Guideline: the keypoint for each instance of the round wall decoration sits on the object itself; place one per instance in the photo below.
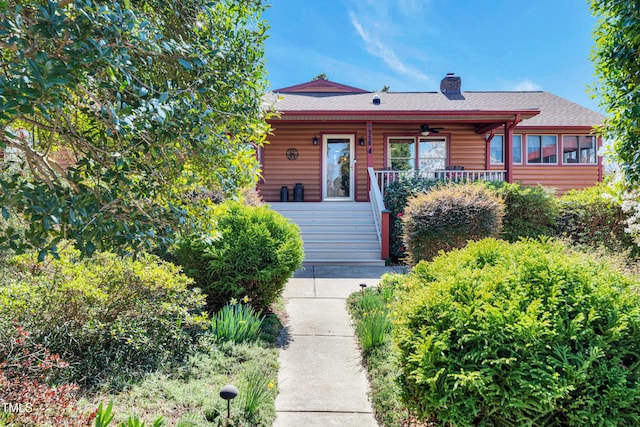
(292, 153)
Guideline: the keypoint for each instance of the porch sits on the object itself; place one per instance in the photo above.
(357, 233)
(454, 174)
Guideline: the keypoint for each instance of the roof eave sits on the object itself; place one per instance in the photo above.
(382, 115)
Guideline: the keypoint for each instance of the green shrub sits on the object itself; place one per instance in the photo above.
(523, 334)
(448, 217)
(256, 252)
(590, 217)
(236, 322)
(395, 199)
(110, 318)
(529, 211)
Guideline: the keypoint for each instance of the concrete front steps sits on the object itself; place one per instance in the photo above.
(338, 233)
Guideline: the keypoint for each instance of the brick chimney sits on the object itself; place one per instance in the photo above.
(450, 84)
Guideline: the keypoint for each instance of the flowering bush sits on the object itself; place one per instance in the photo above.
(27, 399)
(631, 207)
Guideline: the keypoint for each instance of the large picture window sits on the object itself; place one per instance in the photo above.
(579, 149)
(424, 154)
(542, 149)
(496, 149)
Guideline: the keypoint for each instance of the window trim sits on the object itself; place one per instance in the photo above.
(388, 149)
(503, 150)
(416, 141)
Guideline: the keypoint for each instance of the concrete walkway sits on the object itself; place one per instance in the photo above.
(321, 379)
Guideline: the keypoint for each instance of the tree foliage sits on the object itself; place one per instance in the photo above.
(615, 54)
(119, 112)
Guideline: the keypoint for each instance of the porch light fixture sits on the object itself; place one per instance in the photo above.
(361, 142)
(315, 140)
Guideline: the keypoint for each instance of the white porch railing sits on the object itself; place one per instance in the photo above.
(385, 177)
(380, 213)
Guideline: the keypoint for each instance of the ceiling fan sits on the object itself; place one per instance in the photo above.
(425, 130)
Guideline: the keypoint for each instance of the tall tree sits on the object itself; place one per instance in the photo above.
(147, 102)
(616, 55)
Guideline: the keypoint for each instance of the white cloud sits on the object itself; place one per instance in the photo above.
(525, 86)
(412, 8)
(384, 51)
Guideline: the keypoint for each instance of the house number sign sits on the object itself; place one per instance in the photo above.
(292, 153)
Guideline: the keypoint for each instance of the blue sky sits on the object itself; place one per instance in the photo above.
(410, 45)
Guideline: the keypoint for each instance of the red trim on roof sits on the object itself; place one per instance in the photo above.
(529, 113)
(321, 86)
(471, 116)
(555, 128)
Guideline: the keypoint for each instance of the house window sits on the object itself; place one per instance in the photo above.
(579, 149)
(432, 154)
(542, 149)
(425, 154)
(402, 154)
(496, 149)
(516, 152)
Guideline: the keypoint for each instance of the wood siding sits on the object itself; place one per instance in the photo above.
(278, 171)
(465, 148)
(558, 177)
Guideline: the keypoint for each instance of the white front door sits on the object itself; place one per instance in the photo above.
(337, 173)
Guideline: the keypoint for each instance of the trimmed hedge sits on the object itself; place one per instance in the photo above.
(256, 252)
(395, 199)
(590, 217)
(448, 217)
(523, 334)
(530, 211)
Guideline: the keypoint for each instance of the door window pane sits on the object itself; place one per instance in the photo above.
(338, 168)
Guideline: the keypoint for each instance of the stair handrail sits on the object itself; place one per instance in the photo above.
(380, 213)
